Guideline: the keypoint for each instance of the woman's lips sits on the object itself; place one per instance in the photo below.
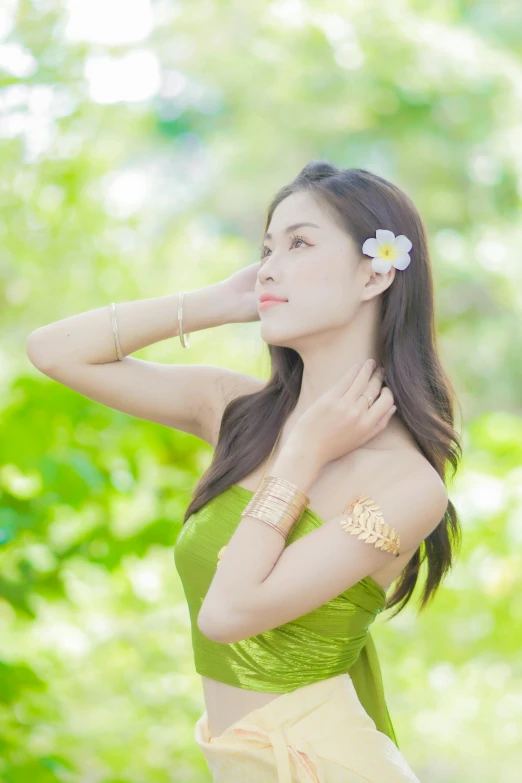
(270, 303)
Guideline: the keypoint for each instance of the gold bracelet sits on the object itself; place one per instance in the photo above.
(277, 503)
(115, 331)
(184, 338)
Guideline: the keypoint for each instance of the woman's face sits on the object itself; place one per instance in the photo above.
(318, 269)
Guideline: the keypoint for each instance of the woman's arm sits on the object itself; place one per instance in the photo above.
(87, 338)
(261, 583)
(79, 352)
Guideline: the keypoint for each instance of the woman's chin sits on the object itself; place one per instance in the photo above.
(278, 343)
(277, 336)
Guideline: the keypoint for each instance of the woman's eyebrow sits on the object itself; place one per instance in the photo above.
(292, 228)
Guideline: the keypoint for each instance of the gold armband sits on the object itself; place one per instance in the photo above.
(367, 523)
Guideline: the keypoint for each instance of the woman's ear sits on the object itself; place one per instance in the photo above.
(376, 282)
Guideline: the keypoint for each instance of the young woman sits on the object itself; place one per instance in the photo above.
(327, 482)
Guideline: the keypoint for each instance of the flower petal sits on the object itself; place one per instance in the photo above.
(381, 265)
(383, 235)
(402, 261)
(371, 247)
(402, 243)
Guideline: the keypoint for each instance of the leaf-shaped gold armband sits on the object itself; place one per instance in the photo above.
(367, 523)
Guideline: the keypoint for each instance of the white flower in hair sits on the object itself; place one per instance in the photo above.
(388, 250)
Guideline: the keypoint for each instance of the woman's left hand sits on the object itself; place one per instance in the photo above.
(340, 420)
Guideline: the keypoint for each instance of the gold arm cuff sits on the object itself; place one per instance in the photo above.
(365, 520)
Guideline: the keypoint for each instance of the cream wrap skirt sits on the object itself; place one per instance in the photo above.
(319, 733)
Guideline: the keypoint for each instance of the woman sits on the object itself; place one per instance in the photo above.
(326, 485)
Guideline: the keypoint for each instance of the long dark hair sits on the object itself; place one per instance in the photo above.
(361, 202)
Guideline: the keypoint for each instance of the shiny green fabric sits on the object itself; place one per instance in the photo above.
(330, 640)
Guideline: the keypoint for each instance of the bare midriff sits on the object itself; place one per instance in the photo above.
(225, 704)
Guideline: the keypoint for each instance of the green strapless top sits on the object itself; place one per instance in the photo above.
(330, 640)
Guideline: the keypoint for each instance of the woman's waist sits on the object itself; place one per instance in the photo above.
(227, 704)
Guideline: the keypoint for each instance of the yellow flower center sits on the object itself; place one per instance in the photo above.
(388, 251)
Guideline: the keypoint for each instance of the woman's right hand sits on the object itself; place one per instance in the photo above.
(240, 290)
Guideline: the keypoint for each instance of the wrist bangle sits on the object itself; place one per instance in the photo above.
(115, 331)
(277, 503)
(184, 339)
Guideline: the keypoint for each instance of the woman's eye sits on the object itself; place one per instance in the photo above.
(292, 241)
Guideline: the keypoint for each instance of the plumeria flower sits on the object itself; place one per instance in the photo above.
(387, 251)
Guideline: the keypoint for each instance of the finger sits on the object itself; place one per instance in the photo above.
(381, 407)
(359, 380)
(344, 383)
(386, 418)
(375, 384)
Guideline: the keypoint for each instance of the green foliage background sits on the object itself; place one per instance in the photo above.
(125, 197)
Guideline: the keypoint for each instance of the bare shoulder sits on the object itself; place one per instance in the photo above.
(407, 467)
(405, 481)
(230, 385)
(395, 471)
(413, 477)
(409, 492)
